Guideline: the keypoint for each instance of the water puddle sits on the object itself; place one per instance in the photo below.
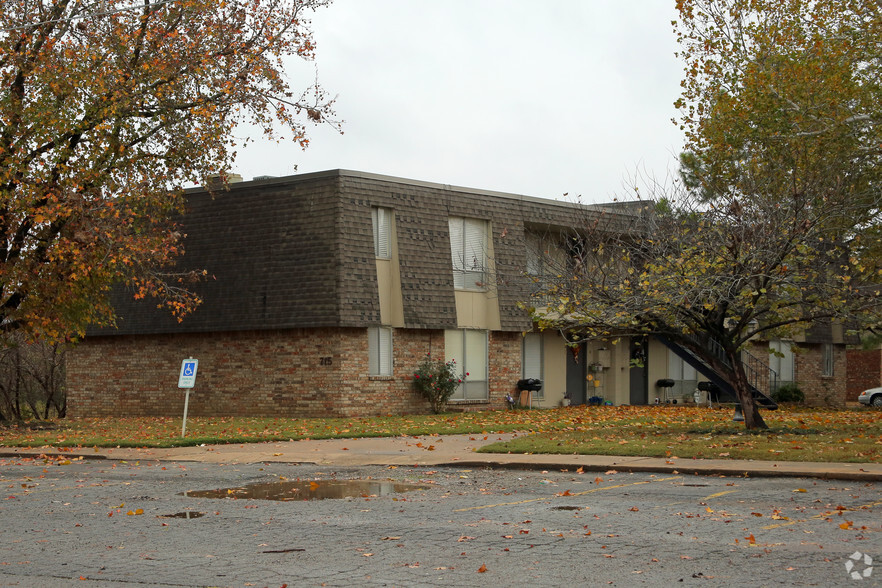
(187, 514)
(310, 490)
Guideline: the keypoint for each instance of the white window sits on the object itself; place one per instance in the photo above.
(532, 360)
(469, 349)
(684, 375)
(380, 351)
(827, 359)
(468, 250)
(382, 222)
(535, 263)
(782, 361)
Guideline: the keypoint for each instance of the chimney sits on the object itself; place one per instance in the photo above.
(216, 181)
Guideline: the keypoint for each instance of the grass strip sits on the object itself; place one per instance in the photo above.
(795, 433)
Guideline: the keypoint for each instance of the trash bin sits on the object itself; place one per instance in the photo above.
(526, 387)
(713, 391)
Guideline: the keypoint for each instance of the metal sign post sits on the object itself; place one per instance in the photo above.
(187, 380)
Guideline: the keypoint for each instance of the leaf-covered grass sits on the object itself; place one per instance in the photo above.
(660, 431)
(794, 434)
(166, 431)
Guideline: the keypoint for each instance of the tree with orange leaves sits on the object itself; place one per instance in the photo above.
(107, 109)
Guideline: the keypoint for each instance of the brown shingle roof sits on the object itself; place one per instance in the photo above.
(298, 252)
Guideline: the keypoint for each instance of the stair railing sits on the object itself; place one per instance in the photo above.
(759, 374)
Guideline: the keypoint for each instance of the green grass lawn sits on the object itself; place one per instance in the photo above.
(799, 434)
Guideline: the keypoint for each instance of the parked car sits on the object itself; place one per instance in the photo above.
(871, 397)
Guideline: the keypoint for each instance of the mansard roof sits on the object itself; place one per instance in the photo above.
(297, 252)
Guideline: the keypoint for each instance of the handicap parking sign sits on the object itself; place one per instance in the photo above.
(187, 378)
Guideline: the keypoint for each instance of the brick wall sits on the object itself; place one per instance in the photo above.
(505, 365)
(821, 390)
(864, 371)
(286, 373)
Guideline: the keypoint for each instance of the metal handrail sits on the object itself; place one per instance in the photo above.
(759, 374)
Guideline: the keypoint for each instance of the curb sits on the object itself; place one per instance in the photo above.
(831, 471)
(665, 469)
(52, 454)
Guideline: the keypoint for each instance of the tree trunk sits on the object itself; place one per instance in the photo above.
(752, 418)
(16, 387)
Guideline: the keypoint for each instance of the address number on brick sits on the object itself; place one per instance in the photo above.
(325, 361)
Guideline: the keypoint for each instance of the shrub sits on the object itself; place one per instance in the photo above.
(437, 380)
(788, 393)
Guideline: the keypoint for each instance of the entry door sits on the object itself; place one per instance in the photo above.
(576, 373)
(639, 375)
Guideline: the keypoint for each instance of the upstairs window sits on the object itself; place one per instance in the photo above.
(468, 250)
(382, 222)
(545, 259)
(535, 259)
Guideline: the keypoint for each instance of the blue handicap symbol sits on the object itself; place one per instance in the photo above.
(188, 369)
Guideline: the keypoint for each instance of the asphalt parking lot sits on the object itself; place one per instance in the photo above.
(123, 523)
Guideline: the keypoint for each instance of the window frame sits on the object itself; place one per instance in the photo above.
(381, 223)
(539, 371)
(828, 360)
(787, 363)
(678, 370)
(380, 364)
(469, 237)
(470, 389)
(534, 265)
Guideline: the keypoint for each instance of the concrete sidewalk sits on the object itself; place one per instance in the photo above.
(459, 451)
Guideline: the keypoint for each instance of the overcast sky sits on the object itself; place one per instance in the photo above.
(528, 97)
